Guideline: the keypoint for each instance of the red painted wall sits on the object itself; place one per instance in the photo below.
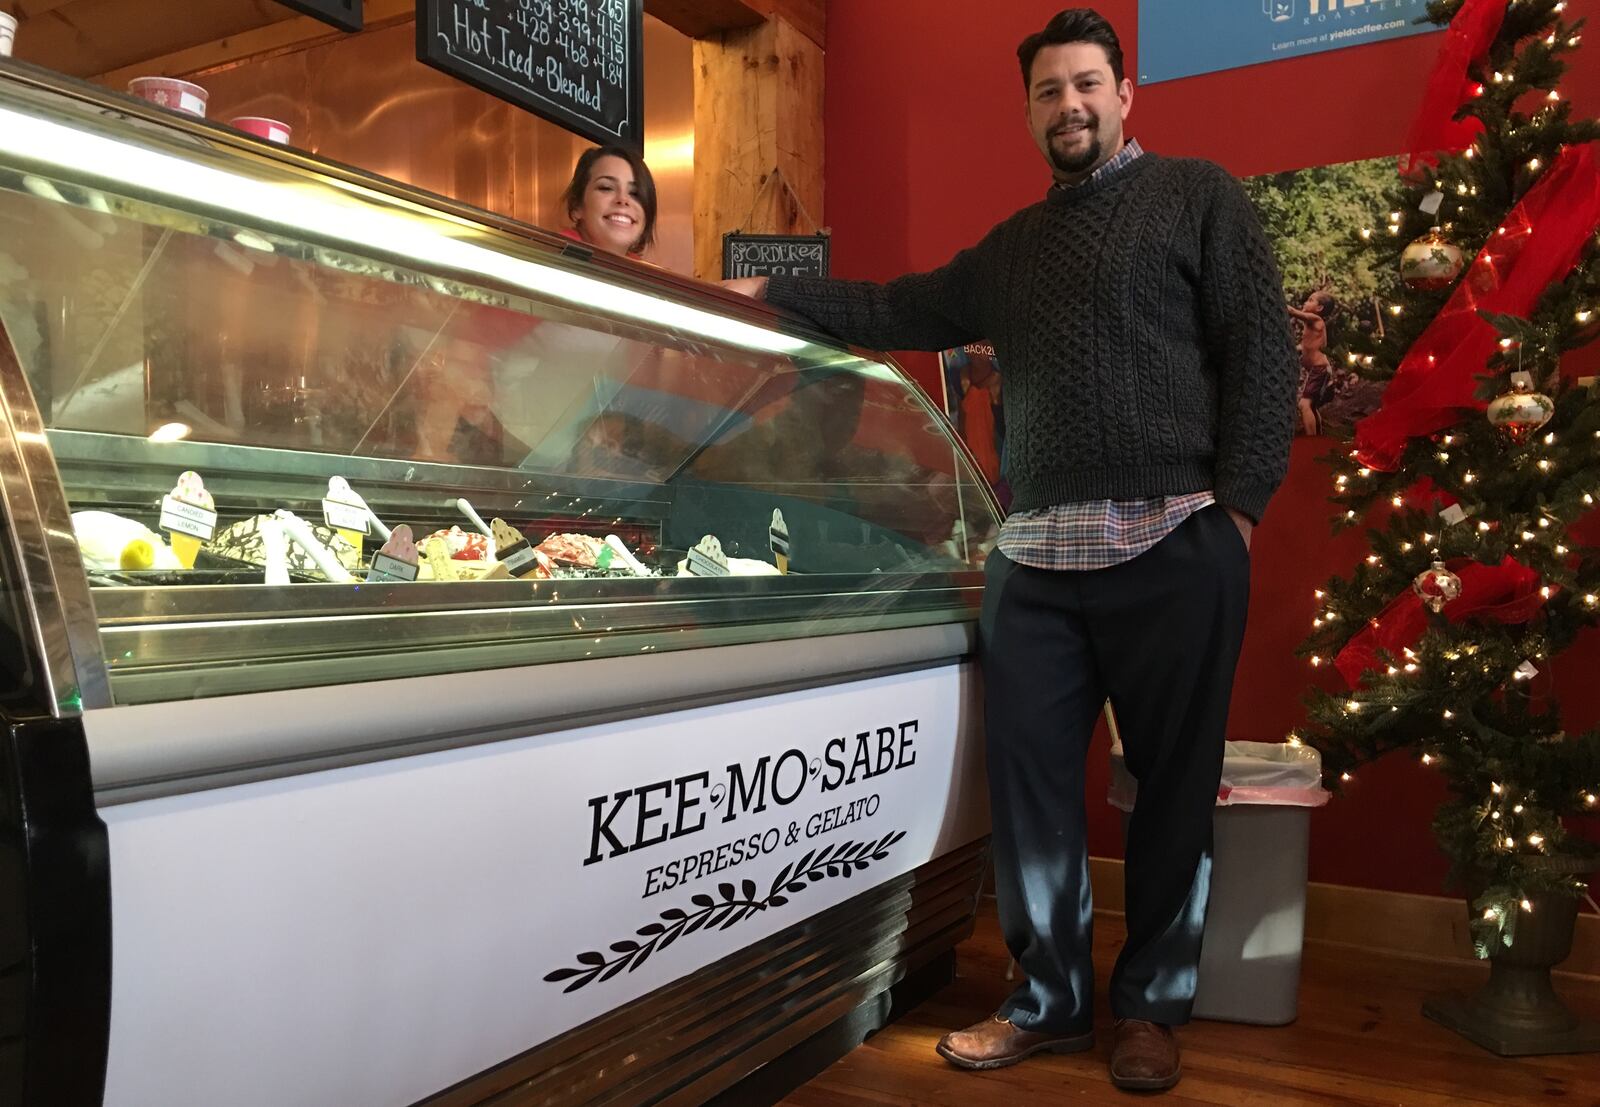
(926, 149)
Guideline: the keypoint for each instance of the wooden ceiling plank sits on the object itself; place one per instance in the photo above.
(810, 18)
(293, 33)
(91, 36)
(25, 10)
(704, 18)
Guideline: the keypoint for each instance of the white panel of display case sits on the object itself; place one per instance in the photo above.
(376, 933)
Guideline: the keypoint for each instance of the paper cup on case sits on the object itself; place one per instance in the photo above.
(8, 33)
(260, 126)
(169, 92)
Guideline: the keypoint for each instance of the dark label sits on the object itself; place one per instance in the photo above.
(386, 568)
(517, 560)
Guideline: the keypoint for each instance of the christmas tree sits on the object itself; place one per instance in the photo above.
(1479, 474)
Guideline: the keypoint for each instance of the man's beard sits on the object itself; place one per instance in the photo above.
(1077, 163)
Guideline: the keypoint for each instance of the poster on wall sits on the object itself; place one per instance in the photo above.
(1179, 38)
(972, 400)
(1313, 218)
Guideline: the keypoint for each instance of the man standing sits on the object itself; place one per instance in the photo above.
(1150, 379)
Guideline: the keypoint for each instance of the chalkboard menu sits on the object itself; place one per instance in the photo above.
(344, 14)
(774, 255)
(577, 63)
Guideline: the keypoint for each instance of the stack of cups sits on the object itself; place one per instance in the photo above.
(8, 33)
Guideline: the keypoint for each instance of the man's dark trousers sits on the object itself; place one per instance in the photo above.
(1159, 636)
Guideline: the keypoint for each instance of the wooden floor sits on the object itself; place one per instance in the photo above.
(1360, 1039)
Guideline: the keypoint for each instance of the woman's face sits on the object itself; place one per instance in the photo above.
(611, 217)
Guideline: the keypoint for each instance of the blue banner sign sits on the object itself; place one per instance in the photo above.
(1182, 38)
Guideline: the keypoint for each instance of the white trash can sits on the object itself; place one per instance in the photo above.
(1255, 927)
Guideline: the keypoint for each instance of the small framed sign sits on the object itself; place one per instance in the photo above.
(343, 14)
(774, 255)
(577, 63)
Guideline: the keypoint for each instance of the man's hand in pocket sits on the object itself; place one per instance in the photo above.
(1243, 522)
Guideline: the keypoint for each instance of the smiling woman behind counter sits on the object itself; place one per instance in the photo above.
(611, 201)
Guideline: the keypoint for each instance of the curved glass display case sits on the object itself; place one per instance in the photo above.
(590, 456)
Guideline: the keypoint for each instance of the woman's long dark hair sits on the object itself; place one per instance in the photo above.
(644, 186)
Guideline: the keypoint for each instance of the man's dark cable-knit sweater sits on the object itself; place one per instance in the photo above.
(1139, 321)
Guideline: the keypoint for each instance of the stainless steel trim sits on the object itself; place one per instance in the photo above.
(228, 679)
(849, 592)
(147, 750)
(233, 675)
(183, 643)
(59, 605)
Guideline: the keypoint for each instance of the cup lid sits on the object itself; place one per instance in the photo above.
(168, 82)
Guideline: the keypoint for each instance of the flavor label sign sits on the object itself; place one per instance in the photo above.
(186, 518)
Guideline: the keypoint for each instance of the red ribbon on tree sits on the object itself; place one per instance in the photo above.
(1428, 496)
(1538, 244)
(1472, 31)
(1505, 593)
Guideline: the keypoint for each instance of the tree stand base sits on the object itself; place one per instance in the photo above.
(1488, 1026)
(1517, 1012)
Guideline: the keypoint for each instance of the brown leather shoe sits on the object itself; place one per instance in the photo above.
(1144, 1056)
(995, 1043)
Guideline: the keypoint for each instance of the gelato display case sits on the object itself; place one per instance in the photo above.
(444, 664)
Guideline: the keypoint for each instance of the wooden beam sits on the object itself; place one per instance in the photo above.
(705, 18)
(809, 17)
(757, 109)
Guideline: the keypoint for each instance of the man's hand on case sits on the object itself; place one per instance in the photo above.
(753, 287)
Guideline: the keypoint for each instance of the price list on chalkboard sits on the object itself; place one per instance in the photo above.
(574, 62)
